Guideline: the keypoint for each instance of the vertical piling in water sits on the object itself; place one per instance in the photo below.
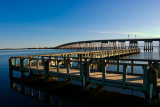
(148, 45)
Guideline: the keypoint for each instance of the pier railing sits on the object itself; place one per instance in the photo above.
(94, 67)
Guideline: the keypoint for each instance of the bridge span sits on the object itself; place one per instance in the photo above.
(111, 44)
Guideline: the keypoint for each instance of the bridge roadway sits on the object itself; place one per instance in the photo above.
(92, 68)
(111, 44)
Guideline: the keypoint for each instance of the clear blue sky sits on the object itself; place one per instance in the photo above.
(48, 23)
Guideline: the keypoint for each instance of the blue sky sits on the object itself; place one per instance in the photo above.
(49, 23)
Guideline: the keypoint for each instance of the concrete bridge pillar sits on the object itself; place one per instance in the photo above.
(122, 45)
(133, 45)
(148, 46)
(113, 45)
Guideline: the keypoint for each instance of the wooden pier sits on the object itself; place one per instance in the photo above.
(92, 68)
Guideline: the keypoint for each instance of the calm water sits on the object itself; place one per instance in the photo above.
(10, 98)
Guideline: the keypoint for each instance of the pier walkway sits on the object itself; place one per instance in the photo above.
(92, 68)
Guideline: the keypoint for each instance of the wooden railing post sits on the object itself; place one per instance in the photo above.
(11, 63)
(46, 69)
(58, 67)
(151, 85)
(15, 63)
(118, 66)
(88, 70)
(68, 68)
(104, 72)
(81, 70)
(10, 67)
(85, 82)
(124, 75)
(21, 63)
(37, 64)
(145, 73)
(132, 67)
(22, 67)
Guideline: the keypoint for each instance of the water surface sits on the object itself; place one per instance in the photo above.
(10, 98)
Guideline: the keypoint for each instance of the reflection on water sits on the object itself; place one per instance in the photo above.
(35, 92)
(65, 94)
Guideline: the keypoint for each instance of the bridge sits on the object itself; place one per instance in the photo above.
(111, 44)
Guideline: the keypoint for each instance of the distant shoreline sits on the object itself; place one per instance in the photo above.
(41, 48)
(23, 48)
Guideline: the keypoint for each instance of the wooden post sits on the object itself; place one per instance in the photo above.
(124, 75)
(151, 91)
(88, 70)
(22, 67)
(37, 65)
(81, 70)
(68, 68)
(58, 66)
(30, 64)
(46, 69)
(85, 83)
(104, 72)
(10, 67)
(11, 63)
(132, 67)
(145, 74)
(15, 62)
(118, 67)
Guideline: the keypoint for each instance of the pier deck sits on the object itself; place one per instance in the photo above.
(92, 68)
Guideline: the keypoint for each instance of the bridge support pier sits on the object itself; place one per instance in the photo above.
(113, 45)
(122, 45)
(148, 46)
(133, 44)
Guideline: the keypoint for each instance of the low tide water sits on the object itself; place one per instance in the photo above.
(73, 96)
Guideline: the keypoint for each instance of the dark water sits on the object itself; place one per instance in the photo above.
(8, 97)
(64, 96)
